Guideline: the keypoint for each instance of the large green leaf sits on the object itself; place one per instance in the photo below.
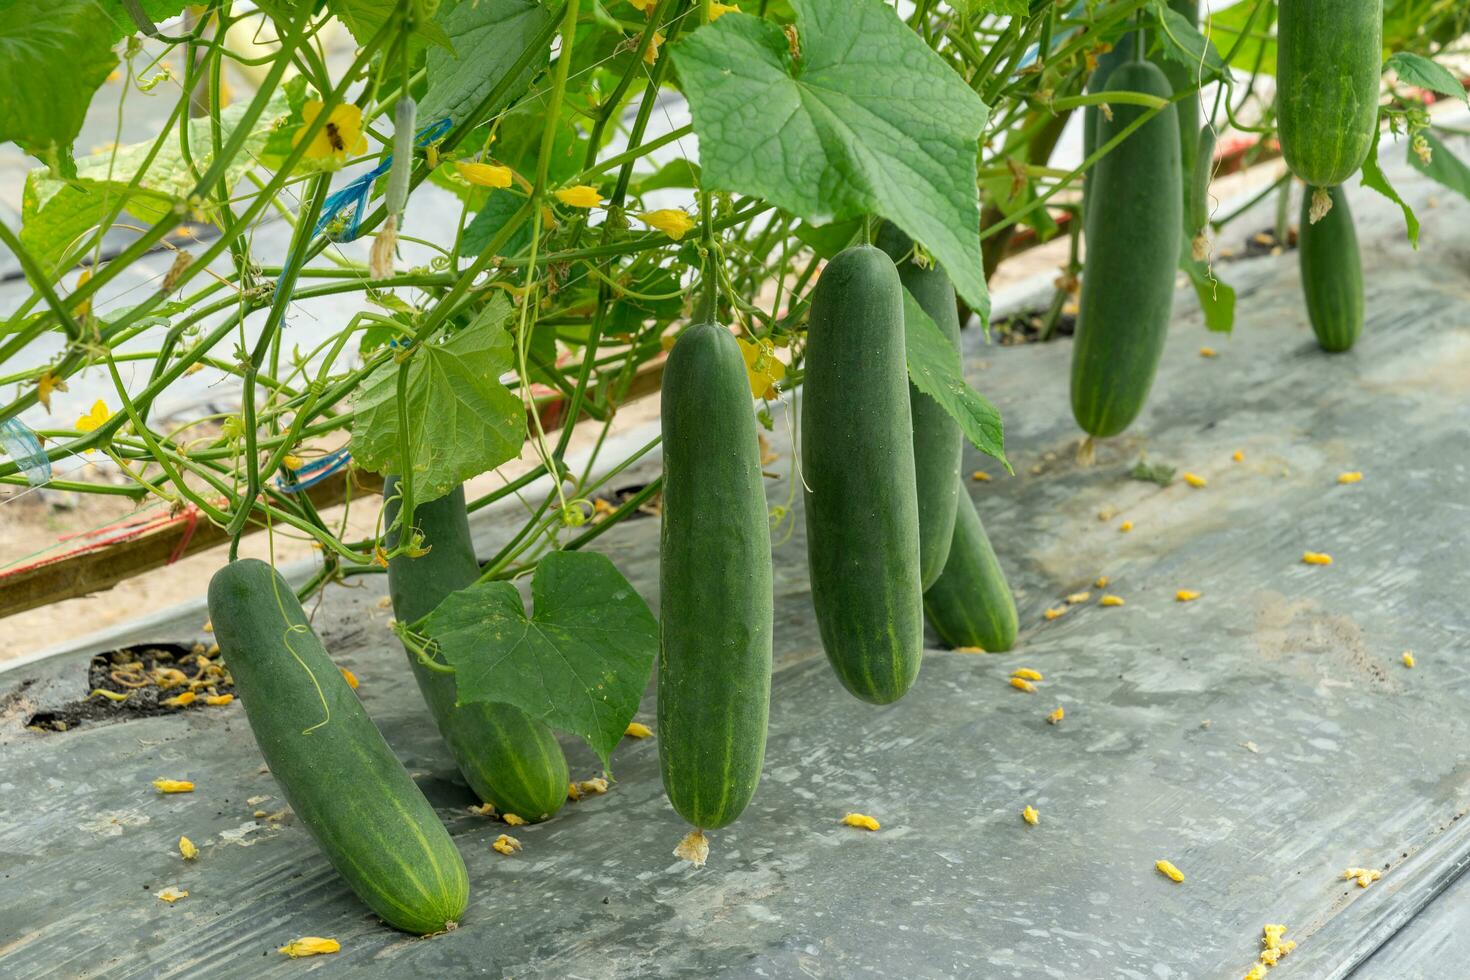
(936, 370)
(1443, 165)
(462, 421)
(1374, 177)
(155, 11)
(56, 214)
(865, 119)
(488, 38)
(54, 54)
(1418, 70)
(1257, 52)
(1181, 42)
(364, 18)
(579, 663)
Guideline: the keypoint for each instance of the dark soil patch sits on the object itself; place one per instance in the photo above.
(1026, 328)
(143, 681)
(1256, 246)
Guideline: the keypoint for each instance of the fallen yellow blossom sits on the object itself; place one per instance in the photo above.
(1195, 480)
(671, 221)
(573, 792)
(1077, 597)
(1102, 582)
(1271, 936)
(1026, 673)
(173, 786)
(1257, 972)
(1207, 352)
(512, 820)
(1022, 684)
(1055, 718)
(349, 677)
(1316, 558)
(1408, 658)
(1238, 456)
(218, 700)
(580, 196)
(694, 848)
(1051, 614)
(861, 820)
(1353, 477)
(181, 700)
(172, 894)
(187, 849)
(1187, 595)
(1110, 600)
(482, 810)
(635, 730)
(310, 946)
(969, 649)
(506, 844)
(596, 785)
(980, 476)
(110, 695)
(1363, 876)
(1030, 815)
(1167, 869)
(1125, 527)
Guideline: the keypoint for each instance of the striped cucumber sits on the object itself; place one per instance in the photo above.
(1198, 213)
(1181, 78)
(511, 760)
(331, 763)
(715, 583)
(1107, 63)
(971, 605)
(938, 441)
(862, 510)
(1329, 56)
(1332, 273)
(1133, 233)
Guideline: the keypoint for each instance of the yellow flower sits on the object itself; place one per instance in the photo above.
(1027, 674)
(650, 53)
(1195, 480)
(172, 895)
(1238, 456)
(291, 462)
(485, 174)
(1167, 869)
(95, 418)
(219, 700)
(506, 844)
(179, 700)
(1316, 558)
(1343, 478)
(45, 385)
(1186, 595)
(596, 786)
(573, 793)
(581, 196)
(671, 221)
(1051, 614)
(1112, 601)
(1125, 527)
(1022, 684)
(1364, 876)
(512, 820)
(84, 308)
(643, 6)
(762, 368)
(1030, 815)
(969, 649)
(636, 730)
(980, 476)
(173, 786)
(1408, 658)
(861, 820)
(341, 135)
(1055, 718)
(1102, 582)
(1077, 597)
(718, 10)
(187, 849)
(1207, 352)
(349, 677)
(310, 946)
(1271, 938)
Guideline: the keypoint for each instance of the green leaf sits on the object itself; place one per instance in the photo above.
(1257, 53)
(867, 120)
(827, 240)
(1181, 42)
(935, 369)
(485, 41)
(499, 208)
(579, 663)
(1414, 69)
(1146, 472)
(156, 11)
(1443, 165)
(462, 420)
(364, 18)
(1000, 8)
(1373, 177)
(1216, 297)
(57, 215)
(54, 54)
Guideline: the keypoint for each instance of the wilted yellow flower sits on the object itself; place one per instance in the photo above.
(1077, 597)
(1207, 352)
(1187, 595)
(172, 894)
(635, 730)
(1194, 480)
(1167, 869)
(1051, 614)
(980, 476)
(596, 785)
(761, 367)
(515, 821)
(84, 308)
(643, 5)
(1030, 815)
(1408, 659)
(173, 786)
(341, 135)
(718, 10)
(1271, 936)
(969, 649)
(1363, 876)
(45, 385)
(694, 848)
(581, 196)
(1055, 718)
(310, 946)
(1316, 558)
(1257, 972)
(1102, 582)
(180, 700)
(1353, 477)
(349, 677)
(1022, 684)
(1111, 601)
(573, 792)
(506, 844)
(650, 53)
(1027, 674)
(861, 820)
(218, 700)
(485, 174)
(94, 419)
(1125, 527)
(1238, 456)
(671, 221)
(187, 849)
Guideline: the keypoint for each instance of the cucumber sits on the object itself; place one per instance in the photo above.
(1133, 237)
(1332, 273)
(510, 760)
(1198, 215)
(331, 763)
(1184, 77)
(971, 605)
(1329, 56)
(715, 584)
(862, 508)
(1107, 63)
(938, 441)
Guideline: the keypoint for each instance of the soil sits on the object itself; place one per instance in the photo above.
(146, 678)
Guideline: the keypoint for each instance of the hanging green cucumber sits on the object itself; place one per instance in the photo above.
(1332, 273)
(715, 583)
(1133, 235)
(862, 510)
(1184, 77)
(1329, 56)
(1198, 215)
(1107, 63)
(511, 760)
(340, 777)
(938, 441)
(971, 605)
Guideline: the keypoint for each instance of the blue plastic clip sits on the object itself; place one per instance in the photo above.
(22, 445)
